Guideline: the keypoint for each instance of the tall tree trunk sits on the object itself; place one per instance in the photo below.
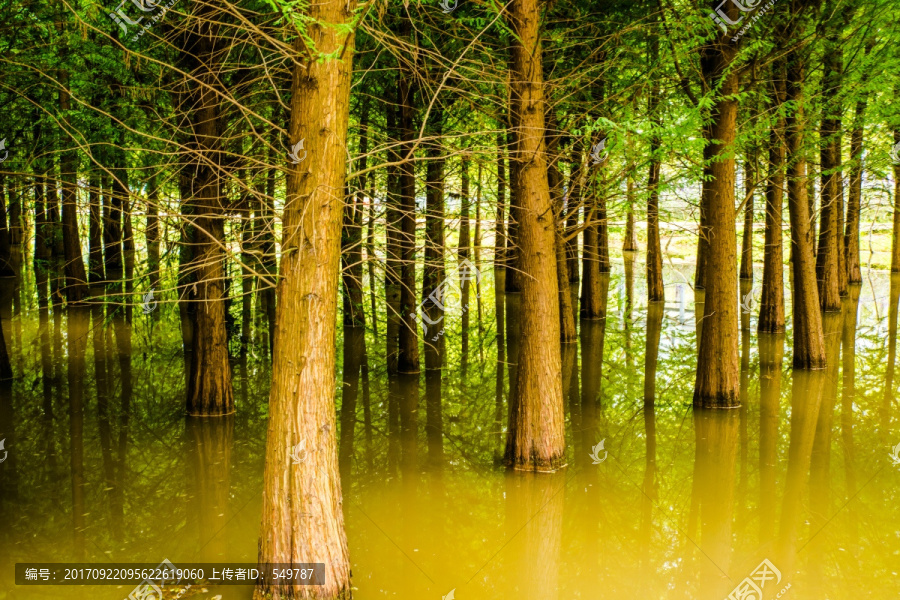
(210, 390)
(771, 309)
(809, 344)
(302, 503)
(854, 200)
(151, 231)
(500, 226)
(76, 278)
(895, 243)
(655, 290)
(555, 183)
(718, 374)
(573, 206)
(828, 260)
(351, 237)
(747, 239)
(393, 245)
(513, 252)
(465, 243)
(370, 252)
(434, 273)
(95, 231)
(535, 435)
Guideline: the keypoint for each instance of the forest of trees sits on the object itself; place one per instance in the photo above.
(287, 173)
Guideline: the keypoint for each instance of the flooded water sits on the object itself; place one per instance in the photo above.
(102, 465)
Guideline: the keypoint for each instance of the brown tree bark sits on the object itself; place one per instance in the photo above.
(718, 374)
(828, 251)
(854, 200)
(434, 273)
(76, 277)
(408, 349)
(536, 435)
(771, 308)
(463, 254)
(555, 183)
(573, 202)
(302, 514)
(351, 237)
(513, 263)
(747, 238)
(809, 344)
(500, 225)
(209, 390)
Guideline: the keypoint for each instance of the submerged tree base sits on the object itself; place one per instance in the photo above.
(717, 401)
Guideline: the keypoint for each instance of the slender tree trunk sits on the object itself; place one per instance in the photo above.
(302, 514)
(434, 272)
(351, 238)
(655, 290)
(536, 435)
(629, 243)
(76, 278)
(513, 261)
(370, 252)
(718, 373)
(747, 241)
(895, 242)
(854, 200)
(151, 231)
(771, 309)
(393, 244)
(465, 243)
(567, 330)
(573, 202)
(828, 262)
(809, 344)
(500, 226)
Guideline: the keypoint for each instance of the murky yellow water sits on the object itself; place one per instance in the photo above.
(683, 504)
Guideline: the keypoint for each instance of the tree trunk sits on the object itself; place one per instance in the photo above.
(854, 200)
(151, 231)
(747, 240)
(513, 261)
(629, 243)
(718, 374)
(393, 243)
(500, 226)
(209, 391)
(351, 238)
(76, 278)
(465, 242)
(655, 290)
(535, 435)
(302, 503)
(809, 345)
(555, 183)
(771, 309)
(828, 263)
(573, 202)
(434, 272)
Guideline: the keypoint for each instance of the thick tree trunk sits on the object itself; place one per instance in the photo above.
(718, 374)
(809, 345)
(536, 435)
(771, 309)
(302, 514)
